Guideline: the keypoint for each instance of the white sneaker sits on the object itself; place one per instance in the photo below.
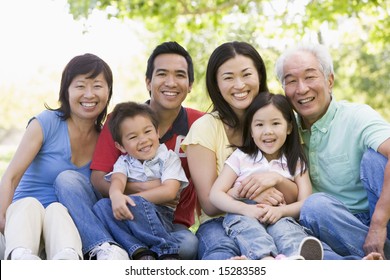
(66, 254)
(294, 257)
(311, 248)
(23, 254)
(106, 251)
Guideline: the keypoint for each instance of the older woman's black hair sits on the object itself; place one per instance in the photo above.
(80, 65)
(292, 148)
(220, 55)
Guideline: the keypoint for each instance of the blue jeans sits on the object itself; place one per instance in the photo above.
(214, 244)
(343, 231)
(257, 240)
(150, 228)
(76, 193)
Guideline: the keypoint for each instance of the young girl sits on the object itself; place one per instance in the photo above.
(271, 145)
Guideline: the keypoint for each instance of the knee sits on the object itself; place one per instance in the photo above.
(316, 204)
(56, 207)
(188, 249)
(70, 180)
(370, 161)
(30, 204)
(102, 206)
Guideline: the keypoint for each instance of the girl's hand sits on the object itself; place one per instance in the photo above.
(119, 206)
(272, 214)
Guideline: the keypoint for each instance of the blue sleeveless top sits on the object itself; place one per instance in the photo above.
(53, 158)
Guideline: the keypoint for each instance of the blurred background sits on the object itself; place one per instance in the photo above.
(39, 37)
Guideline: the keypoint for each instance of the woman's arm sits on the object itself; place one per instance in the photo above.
(255, 184)
(203, 168)
(27, 150)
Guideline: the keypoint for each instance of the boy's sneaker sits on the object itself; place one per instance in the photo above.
(311, 249)
(66, 254)
(107, 251)
(23, 254)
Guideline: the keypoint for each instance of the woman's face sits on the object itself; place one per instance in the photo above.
(238, 82)
(88, 96)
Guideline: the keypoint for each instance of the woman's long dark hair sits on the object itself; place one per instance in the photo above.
(81, 65)
(292, 148)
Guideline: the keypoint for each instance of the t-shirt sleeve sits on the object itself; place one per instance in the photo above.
(120, 166)
(173, 170)
(375, 130)
(202, 132)
(233, 161)
(106, 153)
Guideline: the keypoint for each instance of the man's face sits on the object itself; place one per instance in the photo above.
(306, 86)
(170, 84)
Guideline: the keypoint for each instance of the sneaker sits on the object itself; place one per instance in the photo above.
(66, 254)
(311, 249)
(283, 257)
(107, 251)
(23, 254)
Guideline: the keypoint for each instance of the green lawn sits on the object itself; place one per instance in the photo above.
(6, 153)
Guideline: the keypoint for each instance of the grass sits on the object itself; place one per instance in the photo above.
(6, 155)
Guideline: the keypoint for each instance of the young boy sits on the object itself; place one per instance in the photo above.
(139, 216)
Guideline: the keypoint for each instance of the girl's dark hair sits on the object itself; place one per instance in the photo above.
(80, 65)
(129, 110)
(220, 55)
(292, 148)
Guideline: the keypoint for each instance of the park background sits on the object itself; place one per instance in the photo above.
(39, 37)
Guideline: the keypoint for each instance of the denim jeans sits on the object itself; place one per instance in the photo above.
(329, 219)
(214, 244)
(150, 228)
(76, 193)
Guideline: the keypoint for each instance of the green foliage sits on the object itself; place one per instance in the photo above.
(361, 53)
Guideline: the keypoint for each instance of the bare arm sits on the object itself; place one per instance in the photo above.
(103, 186)
(223, 201)
(28, 148)
(257, 183)
(377, 233)
(203, 168)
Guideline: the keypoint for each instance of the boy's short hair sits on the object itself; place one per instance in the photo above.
(129, 110)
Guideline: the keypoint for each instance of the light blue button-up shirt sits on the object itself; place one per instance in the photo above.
(335, 145)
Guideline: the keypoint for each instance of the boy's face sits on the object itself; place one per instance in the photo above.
(140, 138)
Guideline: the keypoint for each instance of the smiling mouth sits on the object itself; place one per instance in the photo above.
(88, 104)
(306, 100)
(241, 95)
(170, 93)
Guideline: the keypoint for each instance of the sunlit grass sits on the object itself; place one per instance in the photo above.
(6, 154)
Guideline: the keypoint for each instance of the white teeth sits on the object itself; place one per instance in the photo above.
(169, 93)
(240, 94)
(89, 104)
(306, 100)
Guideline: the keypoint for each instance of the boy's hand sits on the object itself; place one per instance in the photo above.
(120, 208)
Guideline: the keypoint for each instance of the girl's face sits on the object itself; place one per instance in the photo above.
(88, 96)
(269, 131)
(238, 82)
(139, 138)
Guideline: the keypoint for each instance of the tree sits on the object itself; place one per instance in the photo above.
(361, 55)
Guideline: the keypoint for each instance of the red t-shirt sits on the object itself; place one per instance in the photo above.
(106, 154)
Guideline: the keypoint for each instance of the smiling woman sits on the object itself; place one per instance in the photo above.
(55, 141)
